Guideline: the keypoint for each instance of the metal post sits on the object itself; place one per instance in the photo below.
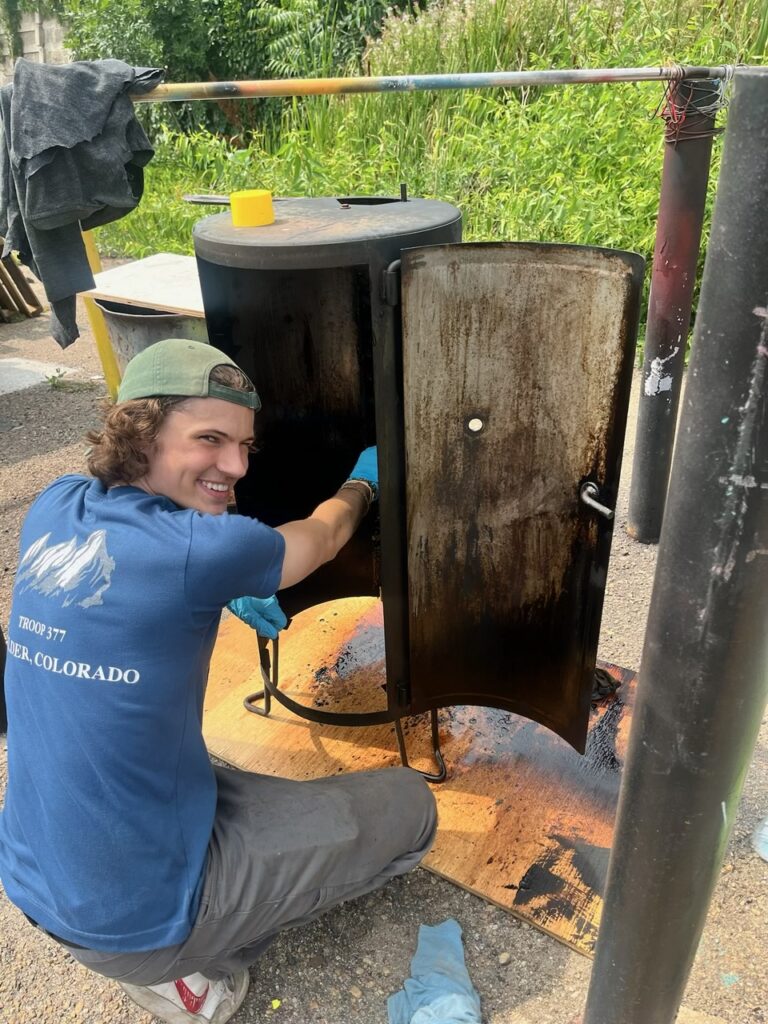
(684, 179)
(704, 673)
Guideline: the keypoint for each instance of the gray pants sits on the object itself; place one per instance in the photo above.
(281, 854)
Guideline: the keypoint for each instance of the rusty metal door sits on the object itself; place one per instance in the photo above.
(517, 362)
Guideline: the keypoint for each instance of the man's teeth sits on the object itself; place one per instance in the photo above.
(213, 486)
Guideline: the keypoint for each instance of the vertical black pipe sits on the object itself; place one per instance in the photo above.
(684, 178)
(703, 680)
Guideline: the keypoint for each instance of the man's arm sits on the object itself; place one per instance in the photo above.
(311, 542)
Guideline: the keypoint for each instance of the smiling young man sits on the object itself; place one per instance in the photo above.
(118, 837)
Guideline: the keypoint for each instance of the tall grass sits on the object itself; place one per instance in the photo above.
(575, 163)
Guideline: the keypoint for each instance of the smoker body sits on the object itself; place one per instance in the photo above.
(368, 322)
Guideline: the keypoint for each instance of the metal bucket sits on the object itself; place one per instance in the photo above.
(134, 328)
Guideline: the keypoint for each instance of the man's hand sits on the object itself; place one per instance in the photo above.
(263, 614)
(367, 468)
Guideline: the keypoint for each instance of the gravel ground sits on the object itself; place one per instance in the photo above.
(341, 968)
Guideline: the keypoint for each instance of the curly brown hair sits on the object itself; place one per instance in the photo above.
(118, 452)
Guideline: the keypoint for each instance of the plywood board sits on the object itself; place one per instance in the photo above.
(524, 821)
(165, 281)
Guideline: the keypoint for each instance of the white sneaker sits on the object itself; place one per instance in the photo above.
(192, 999)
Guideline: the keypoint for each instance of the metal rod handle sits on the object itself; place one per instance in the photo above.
(589, 494)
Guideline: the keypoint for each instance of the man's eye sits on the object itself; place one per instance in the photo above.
(209, 437)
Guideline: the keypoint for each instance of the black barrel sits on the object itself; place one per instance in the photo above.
(304, 307)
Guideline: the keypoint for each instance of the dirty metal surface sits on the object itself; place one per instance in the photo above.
(524, 821)
(516, 370)
(322, 231)
(304, 338)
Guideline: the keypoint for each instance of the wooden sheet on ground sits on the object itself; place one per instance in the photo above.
(165, 281)
(524, 821)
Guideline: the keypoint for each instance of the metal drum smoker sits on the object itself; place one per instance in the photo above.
(494, 379)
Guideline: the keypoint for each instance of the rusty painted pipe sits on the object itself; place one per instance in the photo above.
(683, 197)
(183, 91)
(703, 681)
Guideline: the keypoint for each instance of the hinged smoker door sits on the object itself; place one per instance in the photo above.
(517, 362)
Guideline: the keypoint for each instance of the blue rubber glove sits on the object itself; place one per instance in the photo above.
(367, 468)
(263, 614)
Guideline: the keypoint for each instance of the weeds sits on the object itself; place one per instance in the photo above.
(576, 164)
(58, 381)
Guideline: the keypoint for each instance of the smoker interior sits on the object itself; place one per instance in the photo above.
(305, 338)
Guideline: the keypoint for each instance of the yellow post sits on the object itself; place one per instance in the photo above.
(98, 324)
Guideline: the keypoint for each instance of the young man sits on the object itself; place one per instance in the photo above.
(118, 836)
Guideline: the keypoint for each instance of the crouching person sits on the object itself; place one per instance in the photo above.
(119, 838)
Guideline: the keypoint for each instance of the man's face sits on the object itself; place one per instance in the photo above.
(200, 452)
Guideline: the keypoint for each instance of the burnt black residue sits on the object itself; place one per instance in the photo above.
(557, 897)
(365, 649)
(541, 881)
(600, 753)
(589, 861)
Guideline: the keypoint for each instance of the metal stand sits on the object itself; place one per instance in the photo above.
(702, 687)
(270, 689)
(442, 772)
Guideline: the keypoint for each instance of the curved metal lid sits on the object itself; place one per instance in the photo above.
(321, 232)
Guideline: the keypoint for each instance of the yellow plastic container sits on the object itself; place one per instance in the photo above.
(251, 208)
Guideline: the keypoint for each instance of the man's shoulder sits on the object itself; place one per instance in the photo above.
(64, 487)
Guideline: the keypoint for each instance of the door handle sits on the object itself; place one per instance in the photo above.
(589, 494)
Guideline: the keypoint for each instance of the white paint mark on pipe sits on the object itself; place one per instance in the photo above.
(739, 480)
(658, 380)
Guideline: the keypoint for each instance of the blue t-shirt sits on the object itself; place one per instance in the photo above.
(111, 795)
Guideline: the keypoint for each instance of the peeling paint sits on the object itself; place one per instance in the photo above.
(737, 498)
(738, 480)
(658, 380)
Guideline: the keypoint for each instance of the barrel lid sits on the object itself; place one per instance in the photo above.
(324, 231)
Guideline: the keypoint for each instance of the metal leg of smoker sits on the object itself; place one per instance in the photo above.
(249, 703)
(440, 776)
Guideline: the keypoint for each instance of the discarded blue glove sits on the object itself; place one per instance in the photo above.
(439, 990)
(367, 468)
(263, 614)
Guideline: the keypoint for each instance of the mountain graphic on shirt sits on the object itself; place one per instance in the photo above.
(68, 572)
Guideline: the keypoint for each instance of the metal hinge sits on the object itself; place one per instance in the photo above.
(390, 284)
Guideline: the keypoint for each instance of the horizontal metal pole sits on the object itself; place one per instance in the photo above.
(184, 91)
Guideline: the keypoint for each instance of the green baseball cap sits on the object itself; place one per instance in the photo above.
(177, 366)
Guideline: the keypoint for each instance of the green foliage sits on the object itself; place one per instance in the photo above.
(10, 26)
(312, 37)
(576, 164)
(220, 40)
